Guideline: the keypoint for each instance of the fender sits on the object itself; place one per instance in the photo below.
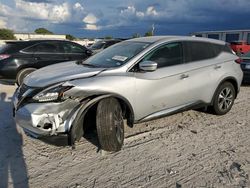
(76, 129)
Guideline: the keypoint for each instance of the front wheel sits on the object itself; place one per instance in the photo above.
(224, 98)
(109, 124)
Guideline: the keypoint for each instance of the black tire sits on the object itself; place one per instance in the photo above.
(109, 124)
(22, 74)
(223, 98)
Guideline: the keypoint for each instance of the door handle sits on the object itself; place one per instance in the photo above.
(217, 66)
(183, 76)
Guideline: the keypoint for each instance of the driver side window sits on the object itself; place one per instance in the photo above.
(166, 55)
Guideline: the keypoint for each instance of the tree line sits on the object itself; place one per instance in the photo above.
(7, 34)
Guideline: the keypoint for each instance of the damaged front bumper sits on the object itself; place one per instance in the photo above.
(46, 119)
(54, 118)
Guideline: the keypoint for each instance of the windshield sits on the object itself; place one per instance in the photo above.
(98, 45)
(117, 55)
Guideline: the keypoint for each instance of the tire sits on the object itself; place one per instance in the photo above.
(22, 74)
(224, 98)
(109, 124)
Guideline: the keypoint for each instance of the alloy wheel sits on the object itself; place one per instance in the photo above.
(225, 99)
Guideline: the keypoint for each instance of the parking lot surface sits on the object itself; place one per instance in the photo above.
(189, 149)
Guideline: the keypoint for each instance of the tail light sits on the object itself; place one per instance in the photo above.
(4, 56)
(239, 61)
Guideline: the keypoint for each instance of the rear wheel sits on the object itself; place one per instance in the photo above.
(109, 124)
(224, 98)
(22, 74)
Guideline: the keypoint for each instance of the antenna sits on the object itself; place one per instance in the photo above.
(153, 28)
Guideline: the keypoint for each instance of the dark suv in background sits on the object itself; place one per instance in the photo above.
(19, 58)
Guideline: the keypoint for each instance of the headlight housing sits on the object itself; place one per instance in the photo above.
(54, 94)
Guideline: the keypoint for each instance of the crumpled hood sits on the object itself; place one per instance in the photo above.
(58, 73)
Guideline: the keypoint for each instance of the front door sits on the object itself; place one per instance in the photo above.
(165, 88)
(74, 51)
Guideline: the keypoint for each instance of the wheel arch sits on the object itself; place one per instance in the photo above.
(231, 80)
(24, 64)
(234, 82)
(75, 131)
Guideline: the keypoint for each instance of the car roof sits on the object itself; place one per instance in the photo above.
(35, 41)
(17, 45)
(156, 39)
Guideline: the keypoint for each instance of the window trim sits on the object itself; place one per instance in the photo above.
(25, 52)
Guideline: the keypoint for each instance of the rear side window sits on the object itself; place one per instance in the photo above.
(197, 51)
(167, 55)
(220, 48)
(45, 47)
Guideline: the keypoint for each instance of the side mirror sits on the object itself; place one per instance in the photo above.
(148, 66)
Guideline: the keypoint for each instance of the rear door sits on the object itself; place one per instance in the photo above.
(165, 88)
(203, 70)
(48, 53)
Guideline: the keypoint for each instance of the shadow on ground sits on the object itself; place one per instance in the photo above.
(13, 168)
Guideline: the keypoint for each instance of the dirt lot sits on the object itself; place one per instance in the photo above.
(190, 149)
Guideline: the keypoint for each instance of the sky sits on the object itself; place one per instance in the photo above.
(123, 18)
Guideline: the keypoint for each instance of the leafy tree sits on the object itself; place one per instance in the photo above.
(108, 37)
(6, 34)
(70, 37)
(136, 35)
(43, 31)
(148, 34)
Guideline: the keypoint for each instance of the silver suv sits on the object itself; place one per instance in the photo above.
(135, 80)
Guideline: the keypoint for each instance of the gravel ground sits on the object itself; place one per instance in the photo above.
(190, 149)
